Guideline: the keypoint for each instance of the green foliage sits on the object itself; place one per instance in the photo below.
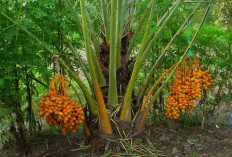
(193, 154)
(154, 149)
(189, 121)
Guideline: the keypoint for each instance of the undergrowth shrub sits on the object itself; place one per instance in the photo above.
(6, 120)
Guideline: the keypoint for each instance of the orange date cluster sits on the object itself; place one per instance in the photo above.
(59, 108)
(187, 88)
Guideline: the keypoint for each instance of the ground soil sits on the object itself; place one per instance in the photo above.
(168, 141)
(193, 142)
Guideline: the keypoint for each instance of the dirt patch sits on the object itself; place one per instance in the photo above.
(168, 141)
(193, 141)
(55, 144)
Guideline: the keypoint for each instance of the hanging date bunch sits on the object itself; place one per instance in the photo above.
(187, 88)
(58, 106)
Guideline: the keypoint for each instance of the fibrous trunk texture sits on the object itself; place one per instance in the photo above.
(123, 73)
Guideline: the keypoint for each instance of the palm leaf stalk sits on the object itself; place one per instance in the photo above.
(145, 83)
(98, 69)
(81, 64)
(94, 38)
(171, 10)
(153, 87)
(126, 108)
(95, 42)
(112, 93)
(104, 122)
(166, 14)
(144, 49)
(86, 129)
(161, 29)
(84, 89)
(138, 27)
(143, 118)
(105, 20)
(93, 33)
(121, 4)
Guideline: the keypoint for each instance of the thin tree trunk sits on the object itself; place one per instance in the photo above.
(31, 117)
(20, 134)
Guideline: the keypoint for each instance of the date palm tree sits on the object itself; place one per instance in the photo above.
(110, 98)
